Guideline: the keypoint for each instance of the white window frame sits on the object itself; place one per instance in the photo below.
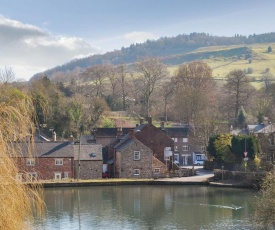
(176, 148)
(156, 170)
(57, 175)
(176, 157)
(30, 162)
(31, 176)
(136, 155)
(66, 175)
(19, 177)
(185, 148)
(136, 172)
(185, 140)
(58, 161)
(175, 139)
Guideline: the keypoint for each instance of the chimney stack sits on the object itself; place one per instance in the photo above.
(131, 134)
(265, 120)
(141, 121)
(162, 125)
(119, 131)
(54, 136)
(71, 140)
(150, 120)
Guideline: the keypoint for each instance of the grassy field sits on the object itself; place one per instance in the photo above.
(261, 61)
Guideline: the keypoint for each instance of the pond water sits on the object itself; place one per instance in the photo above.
(148, 207)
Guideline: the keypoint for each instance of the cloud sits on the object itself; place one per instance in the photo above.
(23, 45)
(140, 37)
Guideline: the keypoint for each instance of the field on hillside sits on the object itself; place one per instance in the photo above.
(261, 62)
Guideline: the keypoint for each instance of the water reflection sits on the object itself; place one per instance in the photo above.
(147, 207)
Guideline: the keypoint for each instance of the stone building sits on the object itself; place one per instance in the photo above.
(88, 161)
(132, 159)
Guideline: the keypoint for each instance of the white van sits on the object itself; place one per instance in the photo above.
(199, 162)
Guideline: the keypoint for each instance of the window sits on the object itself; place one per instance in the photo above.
(156, 170)
(185, 140)
(30, 162)
(185, 147)
(31, 176)
(19, 177)
(66, 175)
(57, 175)
(176, 157)
(58, 161)
(176, 148)
(175, 139)
(136, 155)
(136, 172)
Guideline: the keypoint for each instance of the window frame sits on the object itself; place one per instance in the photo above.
(57, 175)
(58, 159)
(32, 176)
(136, 172)
(185, 148)
(185, 139)
(30, 162)
(156, 170)
(136, 157)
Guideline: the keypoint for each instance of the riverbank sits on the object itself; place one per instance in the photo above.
(203, 178)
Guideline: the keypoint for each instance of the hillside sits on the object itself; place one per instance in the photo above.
(221, 53)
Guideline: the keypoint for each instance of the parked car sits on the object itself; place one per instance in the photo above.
(198, 162)
(106, 175)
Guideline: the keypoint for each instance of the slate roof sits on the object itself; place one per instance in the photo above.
(47, 149)
(110, 132)
(88, 152)
(259, 128)
(176, 131)
(125, 144)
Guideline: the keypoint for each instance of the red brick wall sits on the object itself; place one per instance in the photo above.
(45, 167)
(156, 140)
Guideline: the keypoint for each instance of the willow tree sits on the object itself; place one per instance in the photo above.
(18, 201)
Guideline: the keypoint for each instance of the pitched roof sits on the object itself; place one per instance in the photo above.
(46, 149)
(88, 152)
(176, 131)
(109, 132)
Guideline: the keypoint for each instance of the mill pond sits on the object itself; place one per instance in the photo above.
(148, 207)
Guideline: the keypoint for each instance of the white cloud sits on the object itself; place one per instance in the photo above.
(29, 49)
(140, 37)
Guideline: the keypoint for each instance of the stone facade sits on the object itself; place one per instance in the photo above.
(129, 166)
(90, 161)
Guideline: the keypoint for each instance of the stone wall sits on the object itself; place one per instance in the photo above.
(127, 163)
(89, 170)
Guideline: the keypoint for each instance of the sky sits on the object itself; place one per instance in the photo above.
(36, 35)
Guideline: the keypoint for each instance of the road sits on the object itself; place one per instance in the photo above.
(201, 176)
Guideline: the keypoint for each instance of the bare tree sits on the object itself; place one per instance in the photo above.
(7, 75)
(194, 91)
(238, 91)
(167, 91)
(151, 71)
(97, 75)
